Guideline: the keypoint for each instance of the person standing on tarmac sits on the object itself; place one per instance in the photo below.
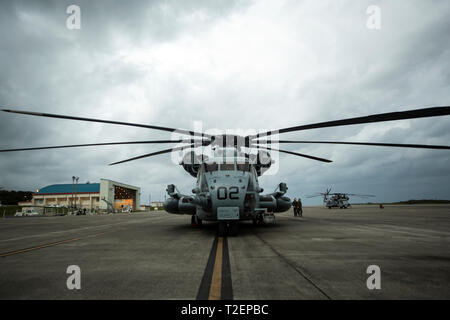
(299, 207)
(295, 206)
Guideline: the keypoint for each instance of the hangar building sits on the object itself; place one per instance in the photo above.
(107, 194)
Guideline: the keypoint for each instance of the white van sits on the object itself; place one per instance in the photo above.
(30, 212)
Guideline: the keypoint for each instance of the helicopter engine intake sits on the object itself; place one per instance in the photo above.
(191, 162)
(262, 161)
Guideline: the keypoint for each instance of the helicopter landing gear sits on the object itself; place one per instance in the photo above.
(222, 229)
(234, 229)
(196, 221)
(265, 218)
(259, 219)
(230, 228)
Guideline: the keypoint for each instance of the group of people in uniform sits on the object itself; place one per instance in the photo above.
(298, 210)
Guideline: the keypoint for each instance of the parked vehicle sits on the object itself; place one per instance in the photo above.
(30, 212)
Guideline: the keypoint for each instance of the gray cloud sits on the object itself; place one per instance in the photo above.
(230, 64)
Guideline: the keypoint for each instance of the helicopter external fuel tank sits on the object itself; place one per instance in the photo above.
(184, 205)
(274, 204)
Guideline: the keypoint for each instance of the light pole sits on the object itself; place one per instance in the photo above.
(71, 202)
(76, 191)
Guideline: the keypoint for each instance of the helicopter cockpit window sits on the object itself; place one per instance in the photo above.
(243, 166)
(212, 167)
(227, 167)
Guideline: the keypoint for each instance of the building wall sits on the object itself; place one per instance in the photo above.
(157, 204)
(88, 200)
(107, 193)
(83, 200)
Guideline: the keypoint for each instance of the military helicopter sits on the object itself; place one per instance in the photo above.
(227, 191)
(337, 199)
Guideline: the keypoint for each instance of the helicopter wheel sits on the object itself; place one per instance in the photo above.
(234, 229)
(222, 229)
(196, 221)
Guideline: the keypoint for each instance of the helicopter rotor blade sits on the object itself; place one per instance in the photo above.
(50, 115)
(107, 144)
(390, 116)
(313, 196)
(293, 153)
(359, 195)
(400, 145)
(155, 153)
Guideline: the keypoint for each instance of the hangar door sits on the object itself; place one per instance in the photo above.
(124, 198)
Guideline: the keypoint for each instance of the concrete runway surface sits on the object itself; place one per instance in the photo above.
(155, 255)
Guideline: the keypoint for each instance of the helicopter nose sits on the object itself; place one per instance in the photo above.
(228, 191)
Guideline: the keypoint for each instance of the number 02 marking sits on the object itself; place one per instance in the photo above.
(222, 193)
(222, 196)
(234, 194)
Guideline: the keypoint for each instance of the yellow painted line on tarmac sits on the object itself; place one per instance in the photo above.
(216, 281)
(10, 253)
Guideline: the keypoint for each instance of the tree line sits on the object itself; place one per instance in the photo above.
(13, 197)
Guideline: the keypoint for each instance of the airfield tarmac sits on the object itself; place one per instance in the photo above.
(155, 255)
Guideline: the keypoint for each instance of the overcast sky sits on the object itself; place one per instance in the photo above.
(231, 65)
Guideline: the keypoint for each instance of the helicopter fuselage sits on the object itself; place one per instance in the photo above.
(226, 191)
(337, 201)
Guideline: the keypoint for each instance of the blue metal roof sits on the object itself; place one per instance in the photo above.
(67, 188)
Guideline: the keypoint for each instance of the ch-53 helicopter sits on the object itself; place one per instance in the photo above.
(228, 191)
(337, 199)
